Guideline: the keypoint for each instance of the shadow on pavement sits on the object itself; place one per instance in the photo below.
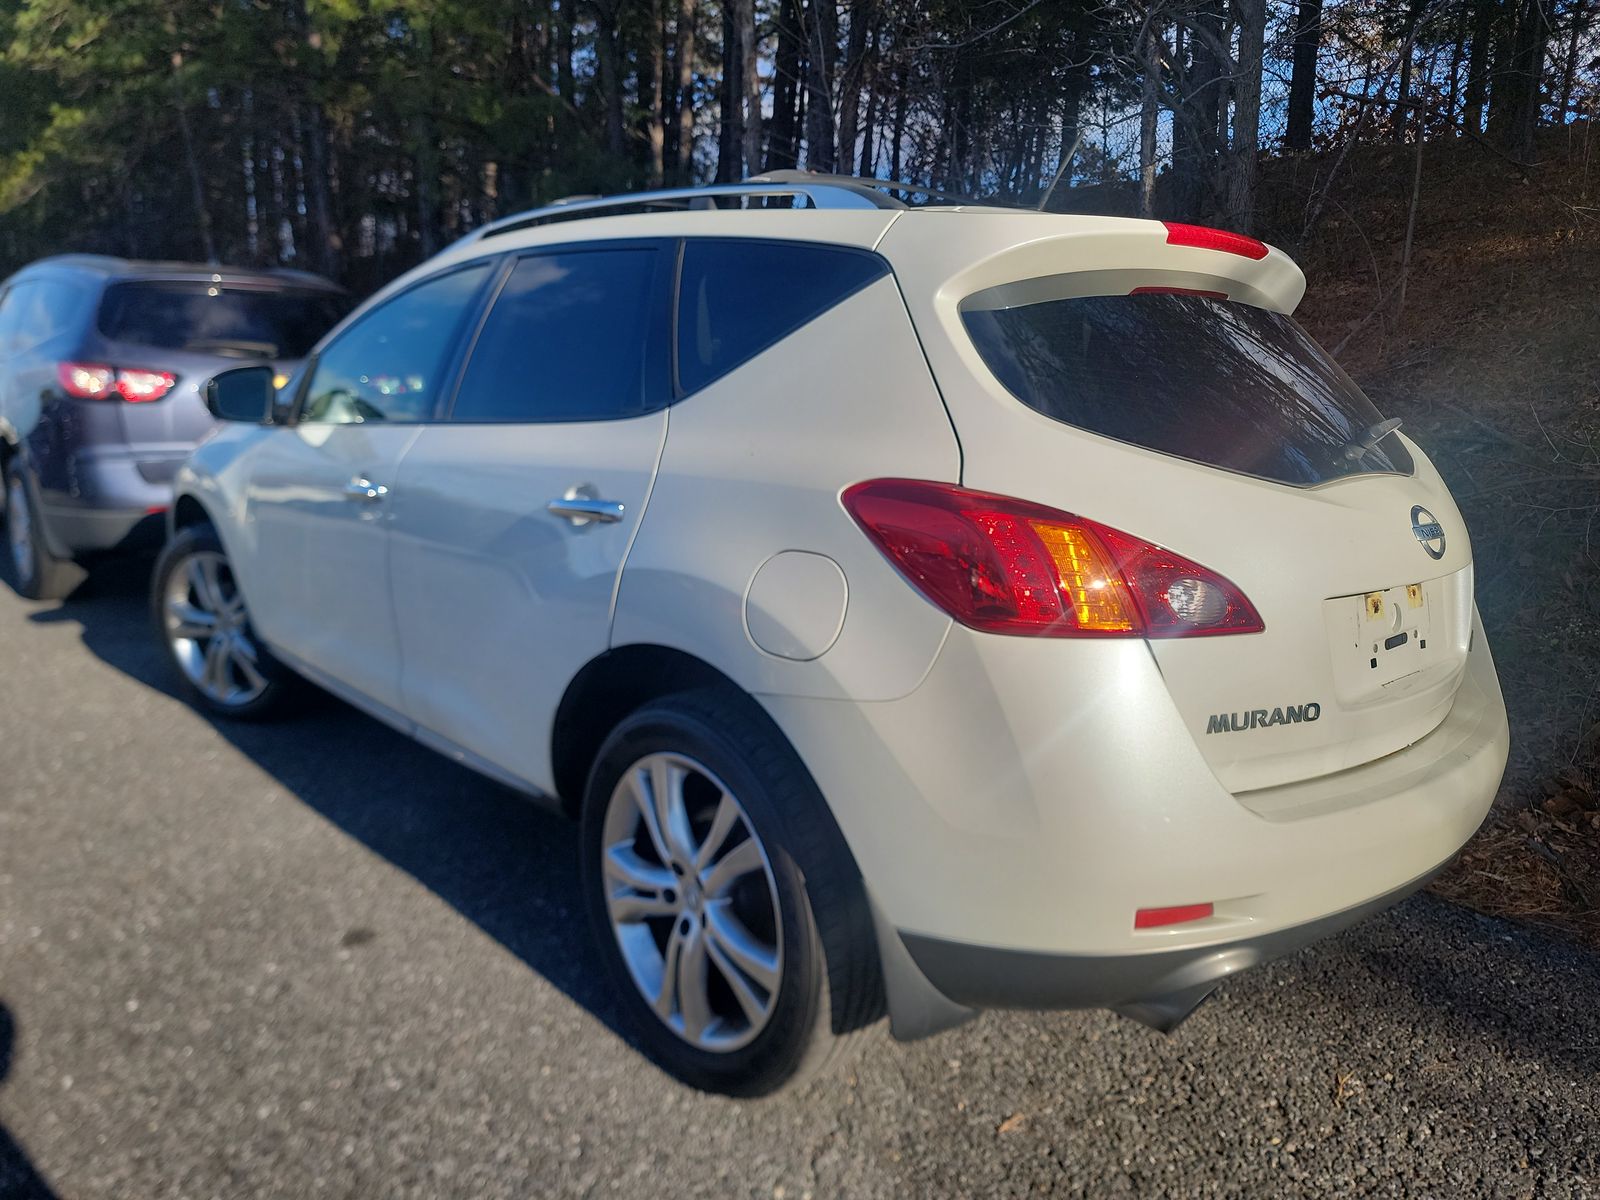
(18, 1179)
(499, 859)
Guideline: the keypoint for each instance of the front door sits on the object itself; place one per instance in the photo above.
(319, 491)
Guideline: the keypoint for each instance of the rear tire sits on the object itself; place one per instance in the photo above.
(200, 616)
(775, 962)
(36, 573)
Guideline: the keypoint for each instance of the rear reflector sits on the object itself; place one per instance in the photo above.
(1009, 566)
(1155, 918)
(95, 381)
(1214, 239)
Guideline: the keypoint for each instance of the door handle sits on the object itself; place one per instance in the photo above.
(364, 489)
(581, 510)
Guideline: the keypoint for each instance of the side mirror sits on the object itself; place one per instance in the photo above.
(242, 394)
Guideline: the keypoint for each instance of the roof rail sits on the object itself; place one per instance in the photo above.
(835, 192)
(859, 181)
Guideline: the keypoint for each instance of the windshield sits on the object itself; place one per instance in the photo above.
(211, 318)
(1208, 380)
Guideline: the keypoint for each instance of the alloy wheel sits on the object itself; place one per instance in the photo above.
(693, 902)
(208, 630)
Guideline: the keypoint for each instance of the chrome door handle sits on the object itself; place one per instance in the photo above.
(364, 489)
(581, 510)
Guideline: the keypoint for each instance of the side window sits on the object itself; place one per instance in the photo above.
(390, 365)
(736, 298)
(570, 338)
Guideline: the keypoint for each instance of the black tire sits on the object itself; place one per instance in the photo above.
(281, 684)
(830, 986)
(36, 573)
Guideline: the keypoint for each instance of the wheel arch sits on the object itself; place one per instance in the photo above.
(609, 687)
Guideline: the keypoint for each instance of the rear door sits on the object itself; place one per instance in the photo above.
(319, 490)
(1221, 431)
(511, 518)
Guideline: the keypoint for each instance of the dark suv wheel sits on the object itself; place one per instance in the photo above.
(38, 574)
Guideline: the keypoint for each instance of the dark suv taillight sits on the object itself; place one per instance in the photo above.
(1009, 566)
(96, 381)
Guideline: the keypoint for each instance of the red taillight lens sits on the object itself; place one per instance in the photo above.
(86, 381)
(135, 386)
(94, 381)
(1155, 918)
(1007, 566)
(1214, 239)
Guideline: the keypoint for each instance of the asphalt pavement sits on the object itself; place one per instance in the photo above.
(313, 959)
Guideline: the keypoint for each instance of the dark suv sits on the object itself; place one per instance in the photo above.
(101, 365)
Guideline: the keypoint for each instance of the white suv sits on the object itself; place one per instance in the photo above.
(923, 609)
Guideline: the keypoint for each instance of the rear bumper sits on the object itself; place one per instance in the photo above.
(113, 500)
(1158, 989)
(75, 529)
(1011, 815)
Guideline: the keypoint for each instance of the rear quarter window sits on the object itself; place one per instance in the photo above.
(1208, 380)
(738, 297)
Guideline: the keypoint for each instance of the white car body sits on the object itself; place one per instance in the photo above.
(1011, 802)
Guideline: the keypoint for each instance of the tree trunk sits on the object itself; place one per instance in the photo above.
(655, 102)
(862, 15)
(822, 41)
(1150, 81)
(1580, 18)
(685, 91)
(608, 50)
(783, 150)
(196, 189)
(730, 98)
(1402, 108)
(745, 19)
(867, 168)
(1247, 114)
(1303, 76)
(1484, 14)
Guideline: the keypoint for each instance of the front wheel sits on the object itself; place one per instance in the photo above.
(201, 619)
(727, 909)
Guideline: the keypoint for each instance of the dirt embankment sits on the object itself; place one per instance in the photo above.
(1494, 365)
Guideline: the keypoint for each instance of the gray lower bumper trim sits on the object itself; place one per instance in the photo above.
(985, 977)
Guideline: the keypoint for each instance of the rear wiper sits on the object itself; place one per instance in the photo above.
(1374, 434)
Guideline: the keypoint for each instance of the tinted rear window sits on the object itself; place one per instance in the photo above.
(215, 319)
(1208, 380)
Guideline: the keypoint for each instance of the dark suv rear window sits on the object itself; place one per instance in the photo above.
(1207, 380)
(211, 318)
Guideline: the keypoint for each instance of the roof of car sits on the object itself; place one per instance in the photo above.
(112, 267)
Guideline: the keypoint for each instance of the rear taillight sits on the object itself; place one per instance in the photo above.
(1008, 566)
(94, 381)
(1207, 238)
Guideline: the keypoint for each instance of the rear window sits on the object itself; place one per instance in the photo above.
(1212, 381)
(210, 318)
